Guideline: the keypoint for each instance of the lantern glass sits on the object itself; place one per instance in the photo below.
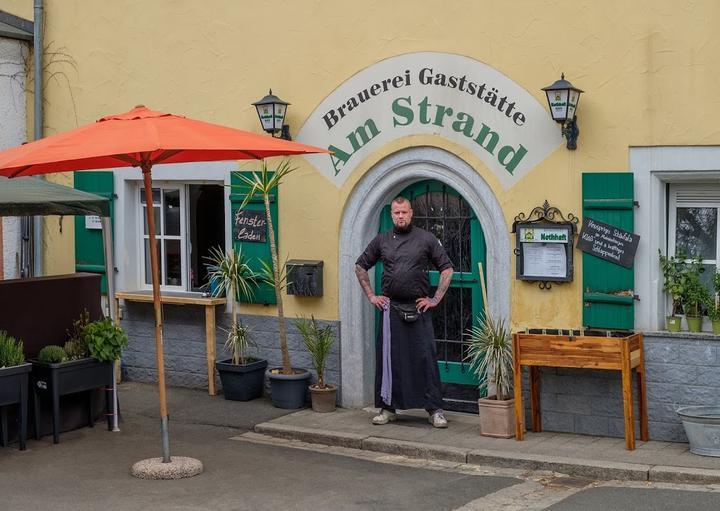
(558, 102)
(265, 112)
(573, 100)
(279, 115)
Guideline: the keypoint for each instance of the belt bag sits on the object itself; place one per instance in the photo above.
(407, 311)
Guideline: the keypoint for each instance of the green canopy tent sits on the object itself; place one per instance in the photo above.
(31, 196)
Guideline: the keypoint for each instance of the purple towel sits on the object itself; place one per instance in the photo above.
(386, 387)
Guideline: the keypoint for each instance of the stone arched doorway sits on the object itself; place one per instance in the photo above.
(358, 226)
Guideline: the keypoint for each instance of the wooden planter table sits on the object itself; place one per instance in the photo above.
(590, 352)
(186, 299)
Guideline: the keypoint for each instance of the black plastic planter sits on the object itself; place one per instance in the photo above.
(288, 390)
(50, 381)
(14, 390)
(241, 382)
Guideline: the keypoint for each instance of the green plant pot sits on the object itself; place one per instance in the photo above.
(716, 327)
(673, 323)
(694, 323)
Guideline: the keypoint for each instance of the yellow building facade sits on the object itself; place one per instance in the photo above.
(407, 94)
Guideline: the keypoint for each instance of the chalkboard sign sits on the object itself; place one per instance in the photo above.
(608, 242)
(250, 225)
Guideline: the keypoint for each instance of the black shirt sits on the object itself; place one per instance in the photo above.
(405, 257)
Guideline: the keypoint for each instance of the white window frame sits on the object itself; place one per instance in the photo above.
(184, 254)
(653, 169)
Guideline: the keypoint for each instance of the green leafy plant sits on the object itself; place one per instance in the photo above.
(695, 294)
(231, 275)
(490, 355)
(673, 270)
(52, 354)
(11, 350)
(238, 342)
(77, 345)
(318, 341)
(262, 183)
(106, 340)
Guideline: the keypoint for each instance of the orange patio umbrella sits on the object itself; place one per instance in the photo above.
(142, 138)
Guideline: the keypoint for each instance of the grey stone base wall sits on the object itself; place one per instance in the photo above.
(680, 369)
(184, 344)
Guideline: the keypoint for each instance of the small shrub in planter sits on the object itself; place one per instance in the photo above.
(241, 376)
(105, 340)
(695, 295)
(52, 354)
(319, 341)
(673, 269)
(14, 382)
(491, 359)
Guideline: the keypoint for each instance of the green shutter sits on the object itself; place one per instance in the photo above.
(89, 252)
(608, 288)
(254, 252)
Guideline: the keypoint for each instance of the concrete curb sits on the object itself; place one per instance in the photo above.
(593, 469)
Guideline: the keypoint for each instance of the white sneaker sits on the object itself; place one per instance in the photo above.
(384, 417)
(437, 419)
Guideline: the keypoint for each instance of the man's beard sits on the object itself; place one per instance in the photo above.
(401, 230)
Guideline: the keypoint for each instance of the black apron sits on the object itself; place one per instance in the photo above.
(415, 373)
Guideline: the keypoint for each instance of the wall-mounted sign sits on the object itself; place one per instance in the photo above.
(250, 225)
(608, 242)
(544, 252)
(452, 96)
(92, 222)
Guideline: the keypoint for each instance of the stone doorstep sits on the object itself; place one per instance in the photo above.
(601, 470)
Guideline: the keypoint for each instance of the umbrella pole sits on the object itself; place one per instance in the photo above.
(147, 180)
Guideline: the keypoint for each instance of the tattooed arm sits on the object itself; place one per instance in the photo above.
(378, 301)
(424, 304)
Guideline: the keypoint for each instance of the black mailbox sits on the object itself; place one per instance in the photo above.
(305, 278)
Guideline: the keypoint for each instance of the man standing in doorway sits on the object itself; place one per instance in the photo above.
(406, 370)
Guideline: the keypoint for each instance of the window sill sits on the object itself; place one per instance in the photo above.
(696, 336)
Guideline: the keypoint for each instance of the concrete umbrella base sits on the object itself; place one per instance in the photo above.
(179, 467)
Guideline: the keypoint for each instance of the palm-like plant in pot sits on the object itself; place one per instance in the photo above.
(490, 356)
(288, 385)
(319, 341)
(241, 375)
(14, 373)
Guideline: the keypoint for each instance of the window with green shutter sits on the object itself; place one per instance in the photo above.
(89, 255)
(254, 251)
(608, 288)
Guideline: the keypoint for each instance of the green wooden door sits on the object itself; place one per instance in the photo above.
(441, 210)
(608, 288)
(89, 250)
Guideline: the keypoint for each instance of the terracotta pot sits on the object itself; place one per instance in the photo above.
(323, 400)
(716, 327)
(497, 418)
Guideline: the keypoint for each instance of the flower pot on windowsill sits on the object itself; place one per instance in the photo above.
(716, 326)
(673, 323)
(694, 323)
(497, 418)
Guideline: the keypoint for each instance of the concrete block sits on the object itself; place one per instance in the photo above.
(575, 467)
(684, 475)
(669, 432)
(316, 436)
(415, 449)
(671, 373)
(562, 422)
(591, 425)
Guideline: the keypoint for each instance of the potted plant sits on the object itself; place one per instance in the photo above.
(490, 356)
(55, 373)
(695, 295)
(319, 341)
(713, 304)
(14, 373)
(673, 270)
(241, 375)
(288, 385)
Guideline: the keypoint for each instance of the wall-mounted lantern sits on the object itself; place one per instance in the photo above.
(563, 99)
(271, 110)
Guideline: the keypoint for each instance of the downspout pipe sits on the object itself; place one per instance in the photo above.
(38, 120)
